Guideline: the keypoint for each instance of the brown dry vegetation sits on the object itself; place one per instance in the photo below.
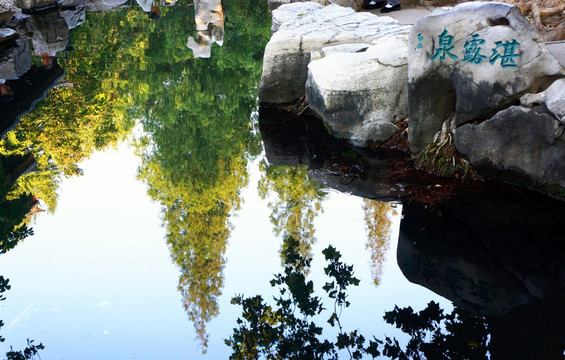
(548, 16)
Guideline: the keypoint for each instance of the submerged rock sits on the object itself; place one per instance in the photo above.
(74, 12)
(36, 5)
(50, 33)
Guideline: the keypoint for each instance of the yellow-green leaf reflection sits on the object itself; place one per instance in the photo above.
(197, 140)
(379, 228)
(297, 198)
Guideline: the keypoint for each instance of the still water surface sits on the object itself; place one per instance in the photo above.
(165, 198)
(96, 281)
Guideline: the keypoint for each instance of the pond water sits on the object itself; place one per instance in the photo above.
(142, 190)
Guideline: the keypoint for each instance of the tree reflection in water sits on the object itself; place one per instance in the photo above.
(379, 229)
(288, 328)
(492, 249)
(195, 150)
(298, 201)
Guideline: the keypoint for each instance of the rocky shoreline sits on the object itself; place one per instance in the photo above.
(482, 92)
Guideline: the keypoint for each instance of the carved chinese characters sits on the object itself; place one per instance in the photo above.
(471, 62)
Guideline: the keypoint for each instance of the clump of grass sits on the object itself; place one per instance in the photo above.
(441, 158)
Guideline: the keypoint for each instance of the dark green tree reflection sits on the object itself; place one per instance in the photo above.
(298, 200)
(287, 328)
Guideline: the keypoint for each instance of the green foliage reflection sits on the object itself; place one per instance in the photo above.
(288, 329)
(298, 200)
(378, 228)
(197, 121)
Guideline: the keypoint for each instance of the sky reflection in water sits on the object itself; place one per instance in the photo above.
(96, 280)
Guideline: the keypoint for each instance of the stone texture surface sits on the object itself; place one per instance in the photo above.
(26, 5)
(15, 60)
(105, 5)
(361, 90)
(309, 28)
(458, 56)
(515, 142)
(553, 98)
(209, 20)
(50, 33)
(74, 14)
(356, 5)
(6, 5)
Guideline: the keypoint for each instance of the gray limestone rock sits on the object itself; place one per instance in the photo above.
(553, 98)
(356, 5)
(15, 60)
(75, 15)
(30, 5)
(275, 4)
(105, 5)
(519, 144)
(50, 33)
(474, 61)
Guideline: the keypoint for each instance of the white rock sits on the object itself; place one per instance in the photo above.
(305, 28)
(360, 93)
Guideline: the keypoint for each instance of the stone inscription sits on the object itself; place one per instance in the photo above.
(504, 53)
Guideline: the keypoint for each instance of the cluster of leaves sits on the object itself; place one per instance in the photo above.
(281, 332)
(436, 335)
(288, 330)
(298, 201)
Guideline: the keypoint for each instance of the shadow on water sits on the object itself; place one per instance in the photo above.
(493, 249)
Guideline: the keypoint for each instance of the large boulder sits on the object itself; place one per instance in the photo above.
(309, 27)
(523, 144)
(360, 90)
(473, 61)
(356, 5)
